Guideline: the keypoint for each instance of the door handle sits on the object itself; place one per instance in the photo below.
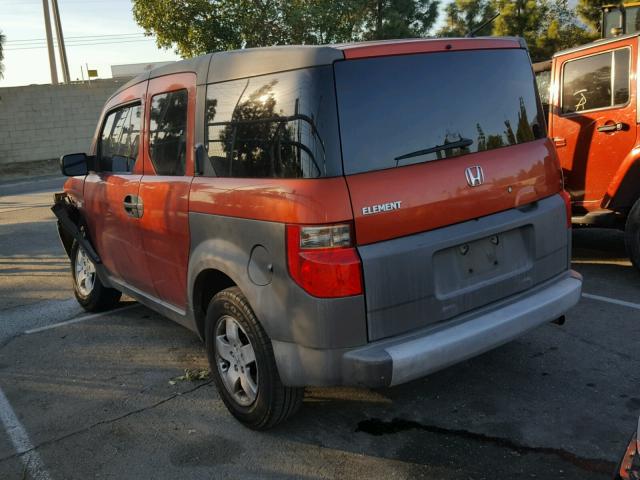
(133, 206)
(559, 141)
(613, 127)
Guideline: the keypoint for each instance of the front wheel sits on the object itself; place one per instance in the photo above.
(243, 365)
(91, 294)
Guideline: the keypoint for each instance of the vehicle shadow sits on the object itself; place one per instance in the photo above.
(601, 244)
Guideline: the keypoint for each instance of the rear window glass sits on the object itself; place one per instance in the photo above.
(396, 111)
(168, 132)
(273, 126)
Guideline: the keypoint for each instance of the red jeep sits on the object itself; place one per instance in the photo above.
(362, 214)
(590, 93)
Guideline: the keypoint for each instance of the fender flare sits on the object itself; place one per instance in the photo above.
(69, 222)
(624, 188)
(70, 228)
(229, 259)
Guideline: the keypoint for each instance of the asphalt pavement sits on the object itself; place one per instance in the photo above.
(84, 396)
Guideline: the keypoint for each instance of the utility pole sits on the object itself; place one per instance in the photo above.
(61, 50)
(52, 55)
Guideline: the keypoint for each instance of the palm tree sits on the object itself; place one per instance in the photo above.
(2, 39)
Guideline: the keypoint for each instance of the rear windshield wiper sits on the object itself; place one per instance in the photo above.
(462, 143)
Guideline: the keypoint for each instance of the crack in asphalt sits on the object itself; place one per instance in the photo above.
(6, 341)
(105, 422)
(377, 427)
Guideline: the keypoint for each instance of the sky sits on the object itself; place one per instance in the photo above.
(91, 20)
(94, 22)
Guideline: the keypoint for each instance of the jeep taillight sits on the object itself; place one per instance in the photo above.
(567, 202)
(323, 260)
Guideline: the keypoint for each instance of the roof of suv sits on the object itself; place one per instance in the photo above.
(596, 43)
(234, 64)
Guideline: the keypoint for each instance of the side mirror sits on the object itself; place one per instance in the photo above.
(74, 164)
(201, 158)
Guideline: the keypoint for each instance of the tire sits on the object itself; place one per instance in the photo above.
(91, 294)
(632, 235)
(243, 365)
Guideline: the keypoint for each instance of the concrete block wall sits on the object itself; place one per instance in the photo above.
(42, 122)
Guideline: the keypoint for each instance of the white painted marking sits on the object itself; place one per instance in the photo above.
(81, 319)
(18, 435)
(615, 301)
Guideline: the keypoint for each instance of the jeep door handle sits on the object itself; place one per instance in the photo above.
(613, 127)
(133, 206)
(560, 141)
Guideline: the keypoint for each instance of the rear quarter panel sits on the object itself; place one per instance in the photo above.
(238, 228)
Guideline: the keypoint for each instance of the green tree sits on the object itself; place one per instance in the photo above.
(2, 39)
(194, 27)
(522, 18)
(324, 21)
(464, 16)
(546, 25)
(590, 12)
(399, 18)
(560, 29)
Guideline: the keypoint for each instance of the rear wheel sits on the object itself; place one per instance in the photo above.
(89, 290)
(243, 365)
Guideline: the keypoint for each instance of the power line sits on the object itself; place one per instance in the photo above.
(65, 2)
(82, 44)
(84, 37)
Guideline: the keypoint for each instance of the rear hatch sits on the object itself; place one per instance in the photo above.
(434, 146)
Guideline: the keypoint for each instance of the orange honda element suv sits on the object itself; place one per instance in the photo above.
(360, 214)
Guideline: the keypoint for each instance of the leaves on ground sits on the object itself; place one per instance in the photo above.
(192, 375)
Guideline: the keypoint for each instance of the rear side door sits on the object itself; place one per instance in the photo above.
(164, 188)
(111, 189)
(593, 123)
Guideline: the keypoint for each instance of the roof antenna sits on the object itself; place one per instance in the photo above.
(473, 32)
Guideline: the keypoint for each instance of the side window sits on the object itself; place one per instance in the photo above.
(168, 132)
(597, 81)
(119, 140)
(273, 126)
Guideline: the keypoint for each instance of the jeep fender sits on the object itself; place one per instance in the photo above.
(624, 188)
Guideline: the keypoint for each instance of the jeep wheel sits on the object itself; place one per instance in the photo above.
(632, 235)
(243, 365)
(89, 290)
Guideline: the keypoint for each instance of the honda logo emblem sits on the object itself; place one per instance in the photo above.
(475, 176)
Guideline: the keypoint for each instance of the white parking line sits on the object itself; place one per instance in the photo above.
(615, 301)
(80, 319)
(18, 435)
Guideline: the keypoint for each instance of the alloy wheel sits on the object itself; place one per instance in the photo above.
(236, 361)
(85, 273)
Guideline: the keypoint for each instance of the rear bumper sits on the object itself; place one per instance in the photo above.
(406, 357)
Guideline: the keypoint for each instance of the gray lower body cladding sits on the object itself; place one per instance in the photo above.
(406, 357)
(253, 255)
(422, 313)
(427, 278)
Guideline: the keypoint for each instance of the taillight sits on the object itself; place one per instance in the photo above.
(567, 202)
(323, 261)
